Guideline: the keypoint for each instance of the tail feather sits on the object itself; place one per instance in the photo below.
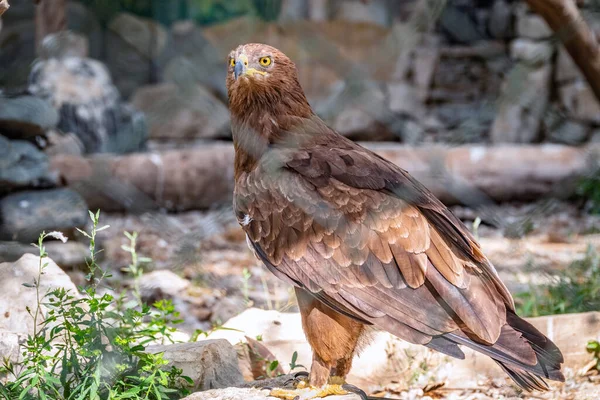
(522, 351)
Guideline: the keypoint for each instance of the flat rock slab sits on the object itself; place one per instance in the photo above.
(388, 359)
(249, 394)
(209, 363)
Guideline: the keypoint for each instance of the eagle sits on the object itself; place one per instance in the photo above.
(363, 243)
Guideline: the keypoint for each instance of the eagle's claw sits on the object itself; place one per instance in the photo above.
(299, 380)
(356, 390)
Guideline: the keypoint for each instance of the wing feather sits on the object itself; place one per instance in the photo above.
(369, 241)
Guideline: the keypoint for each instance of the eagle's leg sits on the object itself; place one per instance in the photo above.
(333, 338)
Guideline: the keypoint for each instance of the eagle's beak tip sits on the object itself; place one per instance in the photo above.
(239, 69)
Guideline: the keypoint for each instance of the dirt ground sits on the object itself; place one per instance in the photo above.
(222, 277)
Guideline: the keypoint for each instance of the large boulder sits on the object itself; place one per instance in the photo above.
(26, 116)
(180, 112)
(16, 298)
(24, 215)
(89, 104)
(22, 165)
(523, 104)
(579, 101)
(209, 363)
(189, 55)
(66, 255)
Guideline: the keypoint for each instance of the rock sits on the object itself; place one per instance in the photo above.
(15, 298)
(82, 20)
(459, 24)
(89, 104)
(160, 284)
(385, 355)
(22, 165)
(10, 345)
(227, 308)
(62, 143)
(425, 63)
(63, 44)
(178, 112)
(500, 22)
(250, 394)
(404, 99)
(579, 101)
(135, 45)
(375, 11)
(66, 255)
(532, 52)
(522, 105)
(357, 109)
(210, 364)
(25, 116)
(190, 59)
(532, 26)
(293, 10)
(25, 215)
(318, 10)
(566, 70)
(17, 49)
(569, 132)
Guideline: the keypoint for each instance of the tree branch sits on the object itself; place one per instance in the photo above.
(566, 21)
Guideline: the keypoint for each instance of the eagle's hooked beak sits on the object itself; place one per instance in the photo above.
(239, 69)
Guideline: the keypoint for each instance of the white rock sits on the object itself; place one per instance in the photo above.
(531, 51)
(157, 284)
(404, 98)
(176, 111)
(15, 298)
(210, 364)
(249, 394)
(522, 105)
(580, 102)
(374, 11)
(532, 26)
(10, 343)
(566, 70)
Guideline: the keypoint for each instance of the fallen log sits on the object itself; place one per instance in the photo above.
(201, 177)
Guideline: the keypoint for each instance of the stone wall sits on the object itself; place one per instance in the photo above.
(483, 71)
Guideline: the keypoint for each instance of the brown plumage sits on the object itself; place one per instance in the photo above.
(361, 240)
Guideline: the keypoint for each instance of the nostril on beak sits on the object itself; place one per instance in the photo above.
(238, 69)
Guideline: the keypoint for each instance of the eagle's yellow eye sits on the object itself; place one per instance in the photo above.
(231, 62)
(265, 61)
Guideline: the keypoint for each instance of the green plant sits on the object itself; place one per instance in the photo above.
(576, 289)
(293, 364)
(89, 346)
(589, 189)
(593, 346)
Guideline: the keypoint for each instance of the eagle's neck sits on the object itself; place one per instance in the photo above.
(260, 122)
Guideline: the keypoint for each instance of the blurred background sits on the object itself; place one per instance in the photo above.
(120, 105)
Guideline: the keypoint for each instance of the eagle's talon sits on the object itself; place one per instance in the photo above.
(356, 390)
(301, 373)
(299, 380)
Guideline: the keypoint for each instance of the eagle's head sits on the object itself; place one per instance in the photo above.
(260, 76)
